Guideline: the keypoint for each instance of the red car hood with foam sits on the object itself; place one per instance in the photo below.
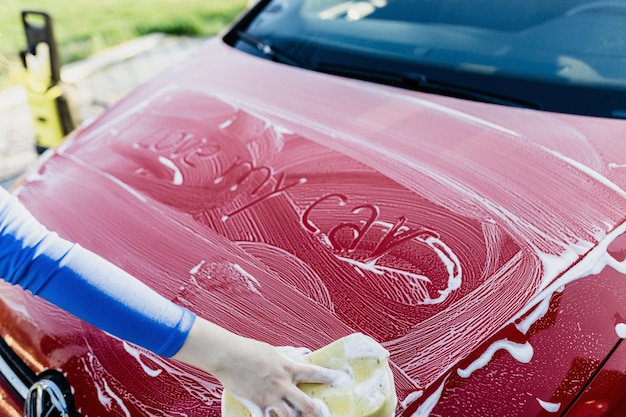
(297, 207)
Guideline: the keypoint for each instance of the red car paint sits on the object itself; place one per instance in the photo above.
(297, 207)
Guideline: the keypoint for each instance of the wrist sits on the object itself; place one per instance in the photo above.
(207, 346)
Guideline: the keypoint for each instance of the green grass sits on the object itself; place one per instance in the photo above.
(84, 27)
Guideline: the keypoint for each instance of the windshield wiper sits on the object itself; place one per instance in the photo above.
(421, 82)
(267, 49)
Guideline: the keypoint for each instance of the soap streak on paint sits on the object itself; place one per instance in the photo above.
(227, 272)
(106, 396)
(117, 399)
(444, 253)
(197, 386)
(537, 314)
(113, 178)
(430, 403)
(431, 339)
(372, 267)
(592, 173)
(411, 398)
(136, 353)
(521, 352)
(596, 260)
(548, 406)
(453, 265)
(177, 175)
(252, 282)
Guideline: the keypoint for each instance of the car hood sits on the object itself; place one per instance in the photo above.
(298, 207)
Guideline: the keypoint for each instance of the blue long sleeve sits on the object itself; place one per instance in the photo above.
(86, 285)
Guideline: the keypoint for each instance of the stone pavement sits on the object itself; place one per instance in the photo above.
(94, 84)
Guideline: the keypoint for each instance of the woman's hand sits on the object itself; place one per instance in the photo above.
(254, 372)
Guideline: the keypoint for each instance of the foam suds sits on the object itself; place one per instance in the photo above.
(589, 171)
(177, 175)
(548, 406)
(534, 316)
(430, 403)
(357, 346)
(521, 352)
(135, 353)
(411, 398)
(370, 390)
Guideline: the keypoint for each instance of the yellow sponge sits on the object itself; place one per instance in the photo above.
(367, 391)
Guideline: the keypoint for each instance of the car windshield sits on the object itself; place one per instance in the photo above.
(558, 55)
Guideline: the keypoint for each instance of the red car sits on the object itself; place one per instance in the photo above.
(446, 177)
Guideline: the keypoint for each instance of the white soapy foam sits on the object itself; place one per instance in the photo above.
(536, 315)
(116, 398)
(251, 281)
(135, 353)
(427, 406)
(196, 268)
(554, 265)
(373, 267)
(370, 389)
(358, 345)
(589, 171)
(593, 263)
(548, 406)
(178, 176)
(411, 398)
(452, 263)
(225, 124)
(521, 352)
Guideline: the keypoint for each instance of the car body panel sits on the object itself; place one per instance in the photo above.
(297, 207)
(604, 396)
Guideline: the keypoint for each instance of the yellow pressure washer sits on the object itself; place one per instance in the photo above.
(50, 107)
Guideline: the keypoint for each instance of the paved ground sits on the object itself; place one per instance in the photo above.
(94, 84)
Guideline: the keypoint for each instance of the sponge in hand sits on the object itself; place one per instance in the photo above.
(367, 391)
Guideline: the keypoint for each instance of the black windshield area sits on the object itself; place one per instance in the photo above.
(560, 55)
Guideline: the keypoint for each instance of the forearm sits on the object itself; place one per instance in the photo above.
(107, 297)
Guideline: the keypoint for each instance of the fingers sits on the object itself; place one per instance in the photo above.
(319, 375)
(303, 405)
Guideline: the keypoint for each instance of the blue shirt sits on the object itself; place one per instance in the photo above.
(86, 285)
